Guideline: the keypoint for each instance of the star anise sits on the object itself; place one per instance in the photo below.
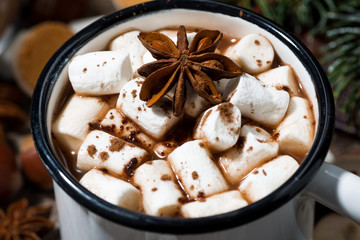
(179, 63)
(23, 222)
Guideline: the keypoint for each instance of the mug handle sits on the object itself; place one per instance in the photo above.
(337, 189)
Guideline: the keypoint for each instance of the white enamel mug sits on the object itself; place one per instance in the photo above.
(287, 213)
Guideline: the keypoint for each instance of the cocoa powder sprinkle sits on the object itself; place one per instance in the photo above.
(226, 113)
(116, 145)
(166, 177)
(134, 93)
(91, 149)
(104, 156)
(194, 175)
(259, 63)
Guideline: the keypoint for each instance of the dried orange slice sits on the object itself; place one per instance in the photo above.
(35, 48)
(119, 4)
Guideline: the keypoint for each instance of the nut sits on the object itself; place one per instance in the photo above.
(10, 177)
(32, 165)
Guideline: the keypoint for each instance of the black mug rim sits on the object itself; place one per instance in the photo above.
(286, 192)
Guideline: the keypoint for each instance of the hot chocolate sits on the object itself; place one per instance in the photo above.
(180, 148)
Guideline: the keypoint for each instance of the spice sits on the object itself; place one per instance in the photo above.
(23, 222)
(178, 63)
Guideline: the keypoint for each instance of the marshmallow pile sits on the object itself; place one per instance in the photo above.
(232, 155)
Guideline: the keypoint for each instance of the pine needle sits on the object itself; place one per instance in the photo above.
(337, 24)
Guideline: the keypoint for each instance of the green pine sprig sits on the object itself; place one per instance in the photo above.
(342, 55)
(293, 15)
(336, 25)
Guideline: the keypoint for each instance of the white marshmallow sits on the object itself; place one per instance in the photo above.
(254, 53)
(216, 204)
(72, 124)
(194, 104)
(259, 102)
(100, 73)
(111, 189)
(148, 58)
(196, 170)
(104, 150)
(226, 86)
(265, 179)
(219, 127)
(257, 147)
(130, 43)
(295, 134)
(160, 194)
(282, 78)
(124, 128)
(172, 34)
(156, 120)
